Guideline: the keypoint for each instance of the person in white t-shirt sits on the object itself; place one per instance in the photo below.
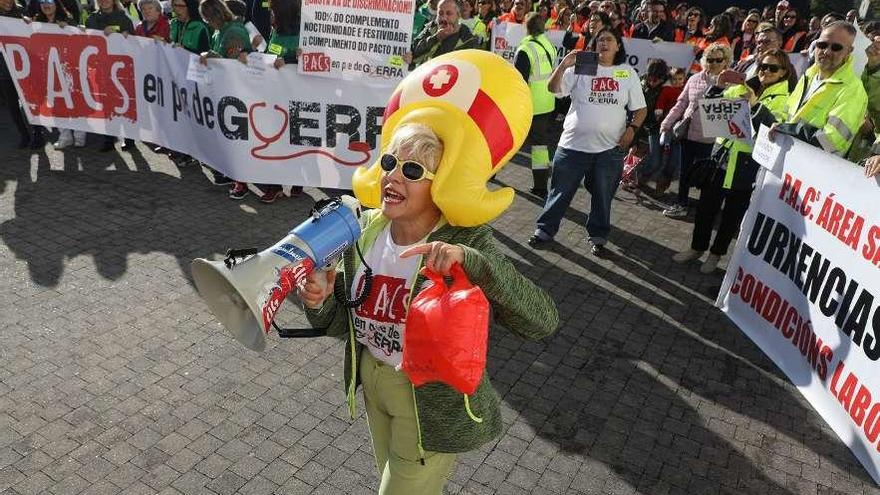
(595, 137)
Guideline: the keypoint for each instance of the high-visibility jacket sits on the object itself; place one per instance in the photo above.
(542, 59)
(741, 169)
(837, 109)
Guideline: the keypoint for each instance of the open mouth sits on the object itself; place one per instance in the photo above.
(392, 197)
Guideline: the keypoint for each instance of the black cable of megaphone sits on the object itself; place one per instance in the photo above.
(338, 291)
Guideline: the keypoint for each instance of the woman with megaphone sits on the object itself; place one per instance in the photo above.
(450, 125)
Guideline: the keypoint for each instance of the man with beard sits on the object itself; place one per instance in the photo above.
(828, 105)
(442, 35)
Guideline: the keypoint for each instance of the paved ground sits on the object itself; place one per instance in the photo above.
(115, 378)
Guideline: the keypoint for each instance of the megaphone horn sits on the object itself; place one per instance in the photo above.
(245, 296)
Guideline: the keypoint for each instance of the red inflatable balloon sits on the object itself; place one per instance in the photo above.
(447, 330)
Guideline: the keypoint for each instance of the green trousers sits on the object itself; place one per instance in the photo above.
(391, 414)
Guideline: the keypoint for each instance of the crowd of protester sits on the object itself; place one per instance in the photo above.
(655, 121)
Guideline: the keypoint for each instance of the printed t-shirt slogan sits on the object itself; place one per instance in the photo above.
(379, 322)
(353, 39)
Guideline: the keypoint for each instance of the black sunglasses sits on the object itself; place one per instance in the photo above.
(714, 60)
(772, 68)
(824, 45)
(412, 171)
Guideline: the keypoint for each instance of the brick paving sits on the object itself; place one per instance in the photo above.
(115, 378)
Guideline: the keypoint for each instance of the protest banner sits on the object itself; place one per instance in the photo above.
(353, 39)
(507, 36)
(253, 123)
(726, 118)
(803, 284)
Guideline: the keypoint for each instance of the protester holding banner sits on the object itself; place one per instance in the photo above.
(729, 188)
(110, 17)
(188, 30)
(828, 105)
(535, 59)
(443, 35)
(230, 38)
(155, 24)
(686, 126)
(595, 138)
(28, 136)
(284, 44)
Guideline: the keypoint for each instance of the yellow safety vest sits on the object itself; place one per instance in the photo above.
(542, 59)
(837, 108)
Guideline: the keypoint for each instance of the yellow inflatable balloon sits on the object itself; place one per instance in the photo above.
(481, 109)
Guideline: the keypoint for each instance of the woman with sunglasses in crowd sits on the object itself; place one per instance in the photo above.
(794, 37)
(692, 31)
(729, 190)
(417, 432)
(745, 43)
(682, 117)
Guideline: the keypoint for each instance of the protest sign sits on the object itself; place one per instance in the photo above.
(803, 284)
(353, 39)
(254, 124)
(726, 118)
(507, 36)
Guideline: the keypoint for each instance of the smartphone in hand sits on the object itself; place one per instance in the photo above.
(586, 63)
(731, 77)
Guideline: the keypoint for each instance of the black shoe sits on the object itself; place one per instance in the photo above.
(127, 145)
(599, 250)
(536, 242)
(221, 180)
(109, 145)
(37, 140)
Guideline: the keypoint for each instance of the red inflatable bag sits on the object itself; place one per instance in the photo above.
(447, 329)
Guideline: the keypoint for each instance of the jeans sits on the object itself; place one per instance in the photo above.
(691, 151)
(652, 163)
(601, 172)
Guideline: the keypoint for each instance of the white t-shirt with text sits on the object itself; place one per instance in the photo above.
(597, 116)
(379, 322)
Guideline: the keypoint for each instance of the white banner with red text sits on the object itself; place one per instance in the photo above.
(804, 285)
(507, 36)
(254, 124)
(356, 39)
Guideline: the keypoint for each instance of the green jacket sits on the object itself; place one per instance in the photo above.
(117, 18)
(741, 169)
(868, 144)
(836, 110)
(284, 46)
(194, 35)
(422, 16)
(444, 422)
(231, 39)
(427, 45)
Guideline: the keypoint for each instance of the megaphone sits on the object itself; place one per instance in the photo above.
(245, 296)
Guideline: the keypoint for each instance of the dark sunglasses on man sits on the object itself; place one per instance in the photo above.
(411, 170)
(824, 45)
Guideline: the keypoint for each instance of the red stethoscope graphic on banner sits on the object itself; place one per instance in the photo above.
(355, 146)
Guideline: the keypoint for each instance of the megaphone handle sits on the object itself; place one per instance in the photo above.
(299, 333)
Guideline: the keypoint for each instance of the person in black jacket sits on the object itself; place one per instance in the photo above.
(655, 27)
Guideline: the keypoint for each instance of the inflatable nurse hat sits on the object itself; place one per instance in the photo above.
(481, 109)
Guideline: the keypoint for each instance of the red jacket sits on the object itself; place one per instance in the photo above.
(161, 28)
(667, 98)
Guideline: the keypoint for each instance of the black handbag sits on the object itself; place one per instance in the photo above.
(704, 172)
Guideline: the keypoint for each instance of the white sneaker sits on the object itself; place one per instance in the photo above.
(65, 139)
(710, 264)
(686, 255)
(676, 211)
